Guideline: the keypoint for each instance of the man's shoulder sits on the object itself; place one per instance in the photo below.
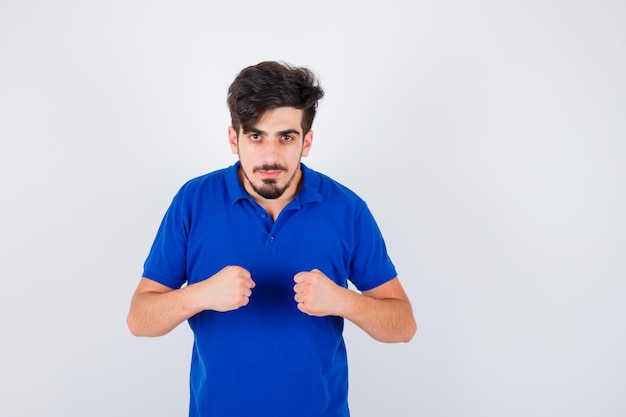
(210, 185)
(330, 188)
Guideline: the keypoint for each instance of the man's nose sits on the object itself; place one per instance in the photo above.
(271, 149)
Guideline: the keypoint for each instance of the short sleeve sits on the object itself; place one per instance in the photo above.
(371, 265)
(166, 262)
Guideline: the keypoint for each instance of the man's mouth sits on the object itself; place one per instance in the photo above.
(270, 172)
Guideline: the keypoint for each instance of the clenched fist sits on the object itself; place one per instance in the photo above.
(318, 295)
(227, 290)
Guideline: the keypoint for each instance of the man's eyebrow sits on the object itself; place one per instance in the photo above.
(289, 132)
(254, 130)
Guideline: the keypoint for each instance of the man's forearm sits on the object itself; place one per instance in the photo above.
(154, 313)
(387, 320)
(156, 309)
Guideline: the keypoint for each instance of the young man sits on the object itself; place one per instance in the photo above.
(266, 248)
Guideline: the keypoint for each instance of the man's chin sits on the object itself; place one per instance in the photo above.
(269, 190)
(271, 195)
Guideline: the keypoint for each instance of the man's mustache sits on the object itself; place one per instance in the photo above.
(274, 167)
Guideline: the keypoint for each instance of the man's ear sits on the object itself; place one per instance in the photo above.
(232, 140)
(307, 142)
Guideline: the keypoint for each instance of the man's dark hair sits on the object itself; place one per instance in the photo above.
(269, 85)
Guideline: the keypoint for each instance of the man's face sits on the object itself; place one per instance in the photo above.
(270, 153)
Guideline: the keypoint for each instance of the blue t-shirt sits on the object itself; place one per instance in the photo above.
(268, 358)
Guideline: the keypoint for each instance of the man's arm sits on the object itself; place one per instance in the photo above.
(384, 312)
(156, 309)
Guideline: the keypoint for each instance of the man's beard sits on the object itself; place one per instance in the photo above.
(270, 189)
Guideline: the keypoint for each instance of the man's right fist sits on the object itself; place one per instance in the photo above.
(229, 289)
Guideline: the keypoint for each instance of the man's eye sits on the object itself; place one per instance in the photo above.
(286, 138)
(255, 137)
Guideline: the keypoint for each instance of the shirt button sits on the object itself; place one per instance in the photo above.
(271, 239)
(263, 215)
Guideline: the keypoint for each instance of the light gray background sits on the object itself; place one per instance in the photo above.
(489, 139)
